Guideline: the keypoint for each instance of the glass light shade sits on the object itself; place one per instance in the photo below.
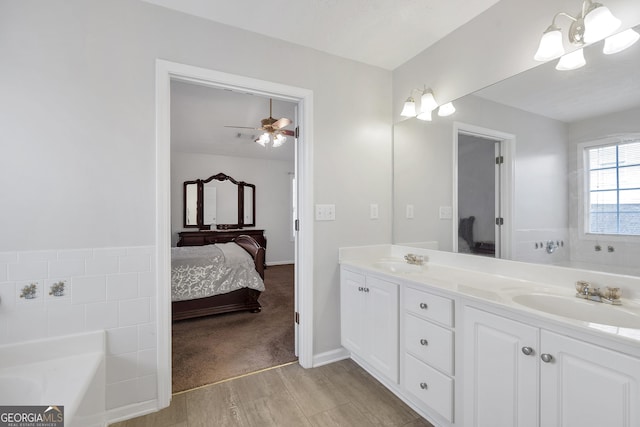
(425, 116)
(571, 61)
(619, 42)
(409, 109)
(446, 109)
(279, 140)
(599, 23)
(550, 45)
(427, 102)
(263, 140)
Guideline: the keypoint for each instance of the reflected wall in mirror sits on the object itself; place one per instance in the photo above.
(220, 202)
(543, 117)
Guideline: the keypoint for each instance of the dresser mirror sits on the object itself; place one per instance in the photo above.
(219, 202)
(538, 124)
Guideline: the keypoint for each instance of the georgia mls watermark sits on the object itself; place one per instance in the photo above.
(32, 416)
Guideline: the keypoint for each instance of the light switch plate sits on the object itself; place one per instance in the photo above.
(446, 212)
(373, 211)
(325, 212)
(409, 212)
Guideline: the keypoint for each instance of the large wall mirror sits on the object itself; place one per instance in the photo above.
(513, 154)
(219, 202)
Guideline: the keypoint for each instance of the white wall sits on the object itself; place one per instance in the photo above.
(77, 168)
(423, 176)
(273, 192)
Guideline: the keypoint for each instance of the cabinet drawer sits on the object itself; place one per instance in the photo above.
(431, 387)
(428, 342)
(429, 306)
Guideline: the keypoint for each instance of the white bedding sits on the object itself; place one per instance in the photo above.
(202, 271)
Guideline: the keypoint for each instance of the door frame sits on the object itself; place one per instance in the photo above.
(506, 195)
(167, 71)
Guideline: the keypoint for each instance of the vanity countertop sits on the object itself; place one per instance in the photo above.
(482, 280)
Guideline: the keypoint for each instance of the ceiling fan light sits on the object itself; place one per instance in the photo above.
(425, 116)
(571, 61)
(263, 139)
(427, 102)
(599, 23)
(550, 45)
(619, 42)
(409, 109)
(278, 140)
(446, 109)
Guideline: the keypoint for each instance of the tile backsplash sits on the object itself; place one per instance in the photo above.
(104, 288)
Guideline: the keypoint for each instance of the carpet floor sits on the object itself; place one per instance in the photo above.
(219, 347)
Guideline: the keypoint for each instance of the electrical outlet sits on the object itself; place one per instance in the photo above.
(409, 212)
(373, 211)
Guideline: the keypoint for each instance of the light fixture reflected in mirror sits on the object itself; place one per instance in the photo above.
(619, 42)
(424, 116)
(446, 110)
(427, 102)
(276, 140)
(594, 23)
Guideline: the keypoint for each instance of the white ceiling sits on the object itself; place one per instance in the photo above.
(384, 33)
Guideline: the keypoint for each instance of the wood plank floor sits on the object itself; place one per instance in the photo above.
(338, 394)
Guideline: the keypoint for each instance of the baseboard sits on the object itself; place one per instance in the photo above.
(132, 411)
(279, 263)
(330, 356)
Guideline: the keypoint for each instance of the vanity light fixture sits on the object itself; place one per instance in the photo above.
(594, 23)
(428, 104)
(619, 42)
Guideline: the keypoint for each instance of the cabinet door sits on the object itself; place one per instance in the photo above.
(352, 311)
(585, 385)
(501, 381)
(381, 325)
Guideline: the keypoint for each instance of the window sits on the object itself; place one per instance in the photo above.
(613, 188)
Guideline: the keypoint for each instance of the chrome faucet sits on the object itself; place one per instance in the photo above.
(607, 295)
(414, 259)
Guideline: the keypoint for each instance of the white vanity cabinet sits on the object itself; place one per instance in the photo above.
(427, 349)
(369, 320)
(519, 375)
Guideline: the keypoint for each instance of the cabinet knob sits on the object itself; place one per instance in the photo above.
(423, 386)
(527, 350)
(360, 288)
(366, 289)
(423, 305)
(546, 357)
(424, 342)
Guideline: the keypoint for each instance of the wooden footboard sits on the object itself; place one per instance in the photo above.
(244, 299)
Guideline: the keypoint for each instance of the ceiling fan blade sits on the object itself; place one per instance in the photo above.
(243, 127)
(286, 132)
(280, 123)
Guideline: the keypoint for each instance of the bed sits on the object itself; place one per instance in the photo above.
(217, 278)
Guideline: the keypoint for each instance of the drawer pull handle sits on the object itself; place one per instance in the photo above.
(423, 305)
(366, 289)
(423, 386)
(546, 358)
(527, 350)
(424, 342)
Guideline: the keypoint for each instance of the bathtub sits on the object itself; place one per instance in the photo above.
(68, 370)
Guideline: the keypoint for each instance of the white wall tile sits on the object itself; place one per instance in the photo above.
(134, 312)
(122, 394)
(101, 315)
(135, 264)
(3, 272)
(122, 286)
(147, 364)
(89, 289)
(66, 267)
(102, 265)
(147, 388)
(147, 336)
(121, 367)
(7, 296)
(109, 252)
(122, 340)
(141, 250)
(65, 320)
(147, 284)
(76, 253)
(26, 325)
(28, 270)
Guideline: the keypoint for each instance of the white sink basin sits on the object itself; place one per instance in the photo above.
(624, 316)
(398, 266)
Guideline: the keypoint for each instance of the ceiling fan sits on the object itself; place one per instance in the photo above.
(272, 128)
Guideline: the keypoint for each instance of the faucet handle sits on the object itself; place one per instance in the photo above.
(611, 293)
(582, 287)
